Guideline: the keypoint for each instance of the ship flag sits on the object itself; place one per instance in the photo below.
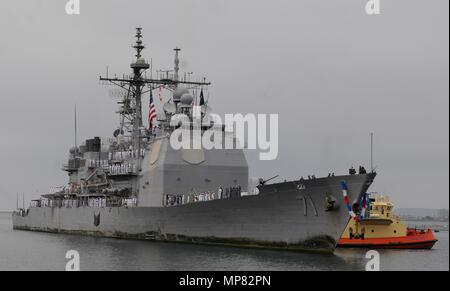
(202, 98)
(151, 111)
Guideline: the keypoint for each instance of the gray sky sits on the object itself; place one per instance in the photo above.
(333, 73)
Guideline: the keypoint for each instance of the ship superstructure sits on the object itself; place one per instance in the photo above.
(138, 163)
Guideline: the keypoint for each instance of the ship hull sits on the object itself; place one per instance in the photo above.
(282, 218)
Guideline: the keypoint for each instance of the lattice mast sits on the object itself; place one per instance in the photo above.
(135, 86)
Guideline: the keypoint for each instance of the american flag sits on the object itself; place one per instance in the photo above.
(151, 111)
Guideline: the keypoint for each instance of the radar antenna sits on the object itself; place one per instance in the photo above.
(137, 85)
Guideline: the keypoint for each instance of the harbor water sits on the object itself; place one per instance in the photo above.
(21, 250)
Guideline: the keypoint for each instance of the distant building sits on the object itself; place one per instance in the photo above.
(423, 214)
(442, 214)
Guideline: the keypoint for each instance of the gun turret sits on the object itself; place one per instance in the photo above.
(263, 182)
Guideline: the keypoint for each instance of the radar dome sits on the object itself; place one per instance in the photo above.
(140, 61)
(180, 91)
(187, 99)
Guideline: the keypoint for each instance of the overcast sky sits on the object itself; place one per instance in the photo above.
(333, 73)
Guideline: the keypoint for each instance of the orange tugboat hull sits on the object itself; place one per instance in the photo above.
(415, 239)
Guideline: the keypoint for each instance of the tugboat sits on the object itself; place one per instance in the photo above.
(380, 228)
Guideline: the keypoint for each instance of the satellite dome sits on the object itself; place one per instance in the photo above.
(180, 91)
(118, 132)
(187, 99)
(73, 150)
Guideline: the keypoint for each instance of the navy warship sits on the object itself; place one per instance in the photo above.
(135, 185)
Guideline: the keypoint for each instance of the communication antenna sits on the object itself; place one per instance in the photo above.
(17, 201)
(76, 144)
(23, 201)
(371, 153)
(118, 93)
(176, 68)
(164, 74)
(151, 68)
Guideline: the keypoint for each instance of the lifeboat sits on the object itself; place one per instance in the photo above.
(380, 228)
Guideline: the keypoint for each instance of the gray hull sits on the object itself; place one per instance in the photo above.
(281, 217)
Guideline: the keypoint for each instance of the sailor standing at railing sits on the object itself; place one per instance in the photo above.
(220, 192)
